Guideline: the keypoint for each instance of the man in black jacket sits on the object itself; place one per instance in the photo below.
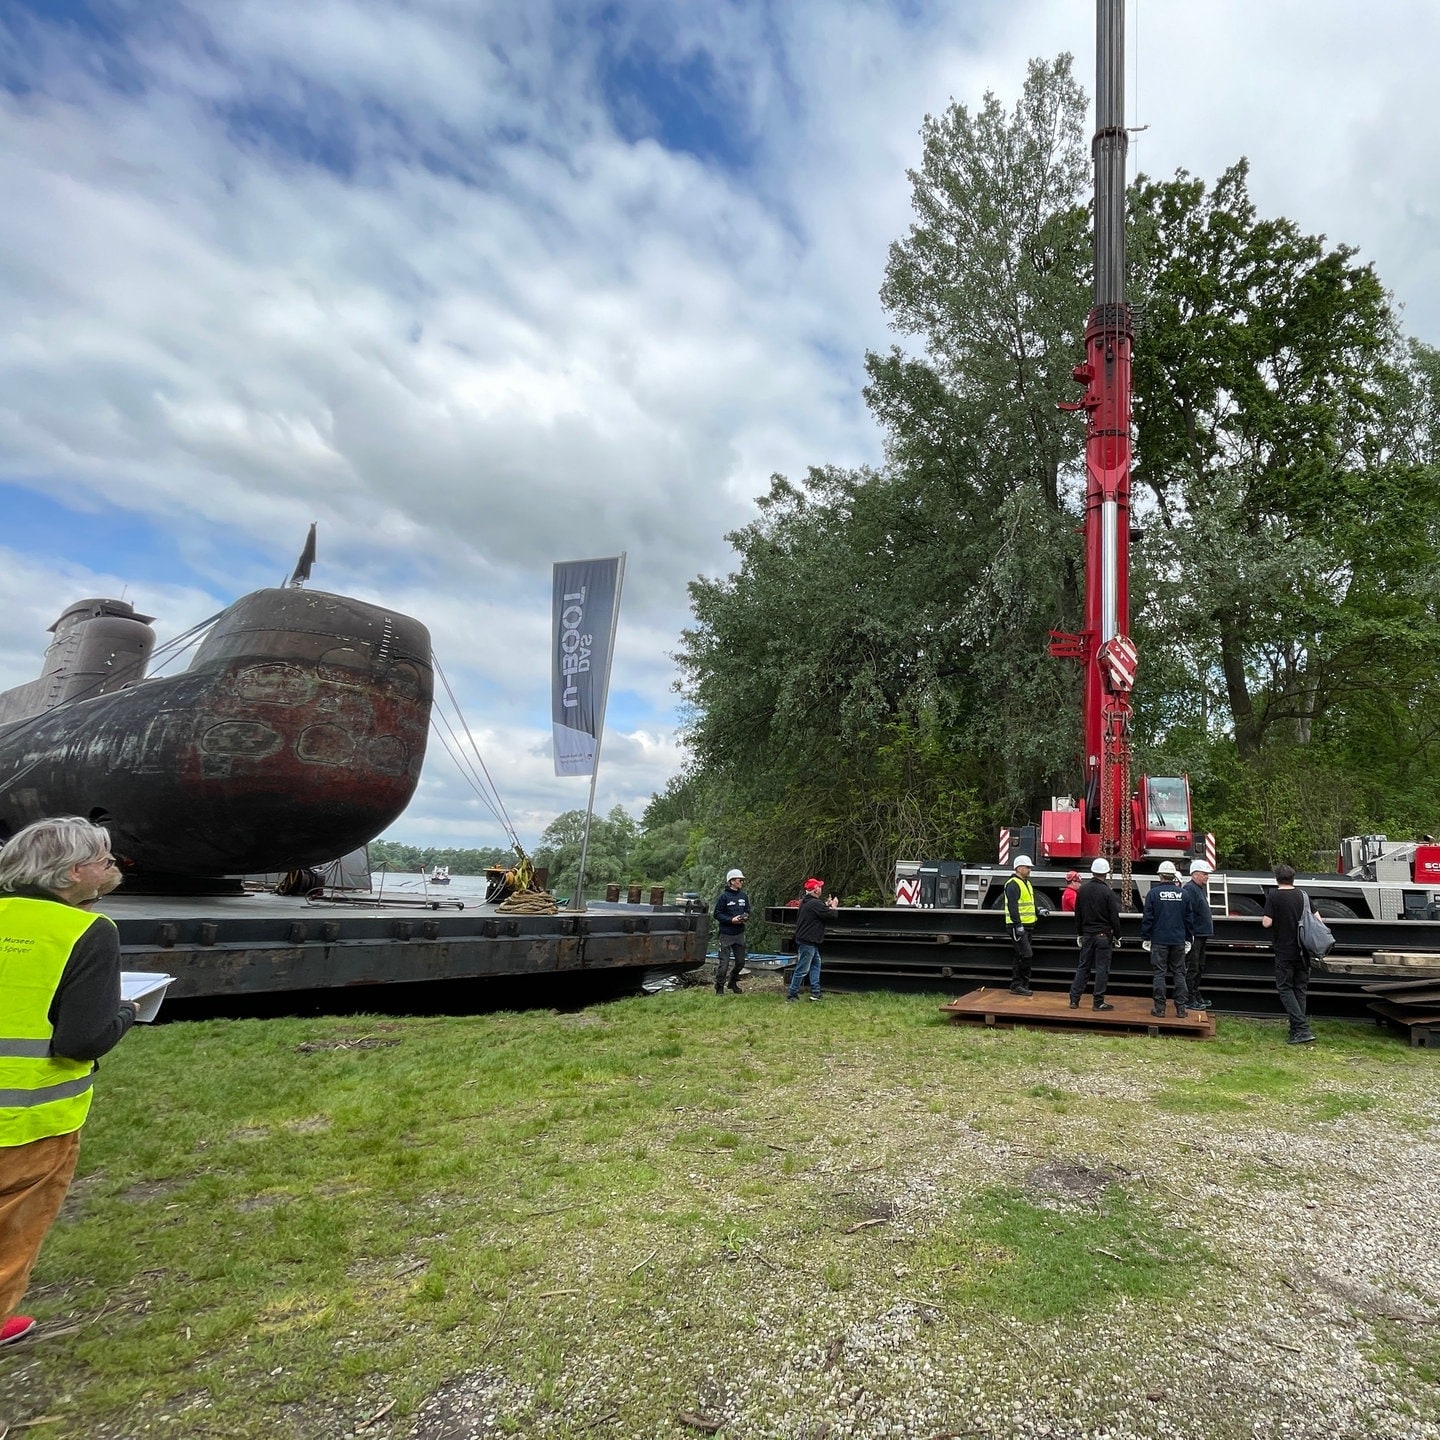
(1097, 918)
(1200, 926)
(810, 922)
(1283, 907)
(1163, 934)
(732, 910)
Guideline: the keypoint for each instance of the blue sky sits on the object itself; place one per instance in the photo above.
(480, 286)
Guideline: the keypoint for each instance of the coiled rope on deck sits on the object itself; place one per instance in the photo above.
(529, 902)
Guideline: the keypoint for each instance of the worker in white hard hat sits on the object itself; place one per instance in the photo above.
(1020, 916)
(1200, 925)
(732, 910)
(1163, 933)
(1097, 919)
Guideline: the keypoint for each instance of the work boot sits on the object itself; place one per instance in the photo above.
(1159, 1009)
(1201, 1003)
(1181, 1012)
(1103, 1005)
(1021, 990)
(1074, 1003)
(1303, 1035)
(733, 989)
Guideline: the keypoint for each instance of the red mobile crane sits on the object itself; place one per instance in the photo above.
(1110, 821)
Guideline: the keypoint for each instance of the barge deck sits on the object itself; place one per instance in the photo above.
(258, 944)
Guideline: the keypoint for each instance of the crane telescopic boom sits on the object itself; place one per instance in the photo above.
(1109, 821)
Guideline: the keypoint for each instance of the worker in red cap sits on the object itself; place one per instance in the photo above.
(810, 921)
(1071, 892)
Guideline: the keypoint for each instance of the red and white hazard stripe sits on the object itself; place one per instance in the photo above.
(1119, 660)
(1210, 851)
(907, 891)
(1004, 848)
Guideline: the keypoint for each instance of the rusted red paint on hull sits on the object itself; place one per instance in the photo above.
(297, 733)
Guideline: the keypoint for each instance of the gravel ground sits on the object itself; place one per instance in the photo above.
(1316, 1237)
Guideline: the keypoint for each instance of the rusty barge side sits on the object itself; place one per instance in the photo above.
(253, 945)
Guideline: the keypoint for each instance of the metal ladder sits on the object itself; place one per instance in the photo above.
(973, 885)
(1218, 886)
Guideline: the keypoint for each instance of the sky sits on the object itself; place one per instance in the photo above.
(481, 286)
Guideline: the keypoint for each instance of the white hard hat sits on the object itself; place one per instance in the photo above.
(1167, 869)
(734, 875)
(1100, 866)
(1023, 860)
(1202, 865)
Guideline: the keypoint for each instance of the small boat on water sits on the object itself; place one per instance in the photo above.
(295, 735)
(440, 875)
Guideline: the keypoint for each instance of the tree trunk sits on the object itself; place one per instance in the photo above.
(1232, 663)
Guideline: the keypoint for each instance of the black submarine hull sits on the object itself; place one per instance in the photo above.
(296, 734)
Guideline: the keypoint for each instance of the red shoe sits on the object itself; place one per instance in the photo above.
(15, 1328)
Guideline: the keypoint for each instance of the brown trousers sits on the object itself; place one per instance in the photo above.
(33, 1182)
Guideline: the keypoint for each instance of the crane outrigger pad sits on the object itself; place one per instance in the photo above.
(1050, 1010)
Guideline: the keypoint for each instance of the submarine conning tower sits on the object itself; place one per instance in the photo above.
(100, 646)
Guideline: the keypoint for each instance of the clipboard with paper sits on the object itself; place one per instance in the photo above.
(147, 989)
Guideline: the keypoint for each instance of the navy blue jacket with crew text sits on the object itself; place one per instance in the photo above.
(1163, 920)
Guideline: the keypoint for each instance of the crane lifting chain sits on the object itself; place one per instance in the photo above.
(1127, 827)
(1107, 802)
(1117, 833)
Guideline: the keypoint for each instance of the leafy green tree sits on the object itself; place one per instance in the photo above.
(1260, 402)
(395, 855)
(1287, 449)
(606, 858)
(872, 677)
(992, 281)
(661, 855)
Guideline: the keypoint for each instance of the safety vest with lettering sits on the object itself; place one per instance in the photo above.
(40, 1094)
(1026, 905)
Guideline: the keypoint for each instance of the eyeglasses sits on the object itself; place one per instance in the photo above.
(109, 862)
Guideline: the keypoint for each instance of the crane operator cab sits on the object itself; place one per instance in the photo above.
(1162, 817)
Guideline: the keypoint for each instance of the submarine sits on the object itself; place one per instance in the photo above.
(297, 733)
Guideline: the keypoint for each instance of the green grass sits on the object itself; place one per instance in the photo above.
(1017, 1257)
(1407, 1347)
(297, 1221)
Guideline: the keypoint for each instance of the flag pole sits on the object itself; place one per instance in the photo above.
(577, 900)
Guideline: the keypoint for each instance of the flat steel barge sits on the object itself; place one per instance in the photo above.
(959, 950)
(262, 944)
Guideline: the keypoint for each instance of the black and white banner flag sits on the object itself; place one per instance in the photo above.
(583, 628)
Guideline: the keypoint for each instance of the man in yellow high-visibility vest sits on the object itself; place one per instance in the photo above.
(60, 1011)
(1018, 901)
